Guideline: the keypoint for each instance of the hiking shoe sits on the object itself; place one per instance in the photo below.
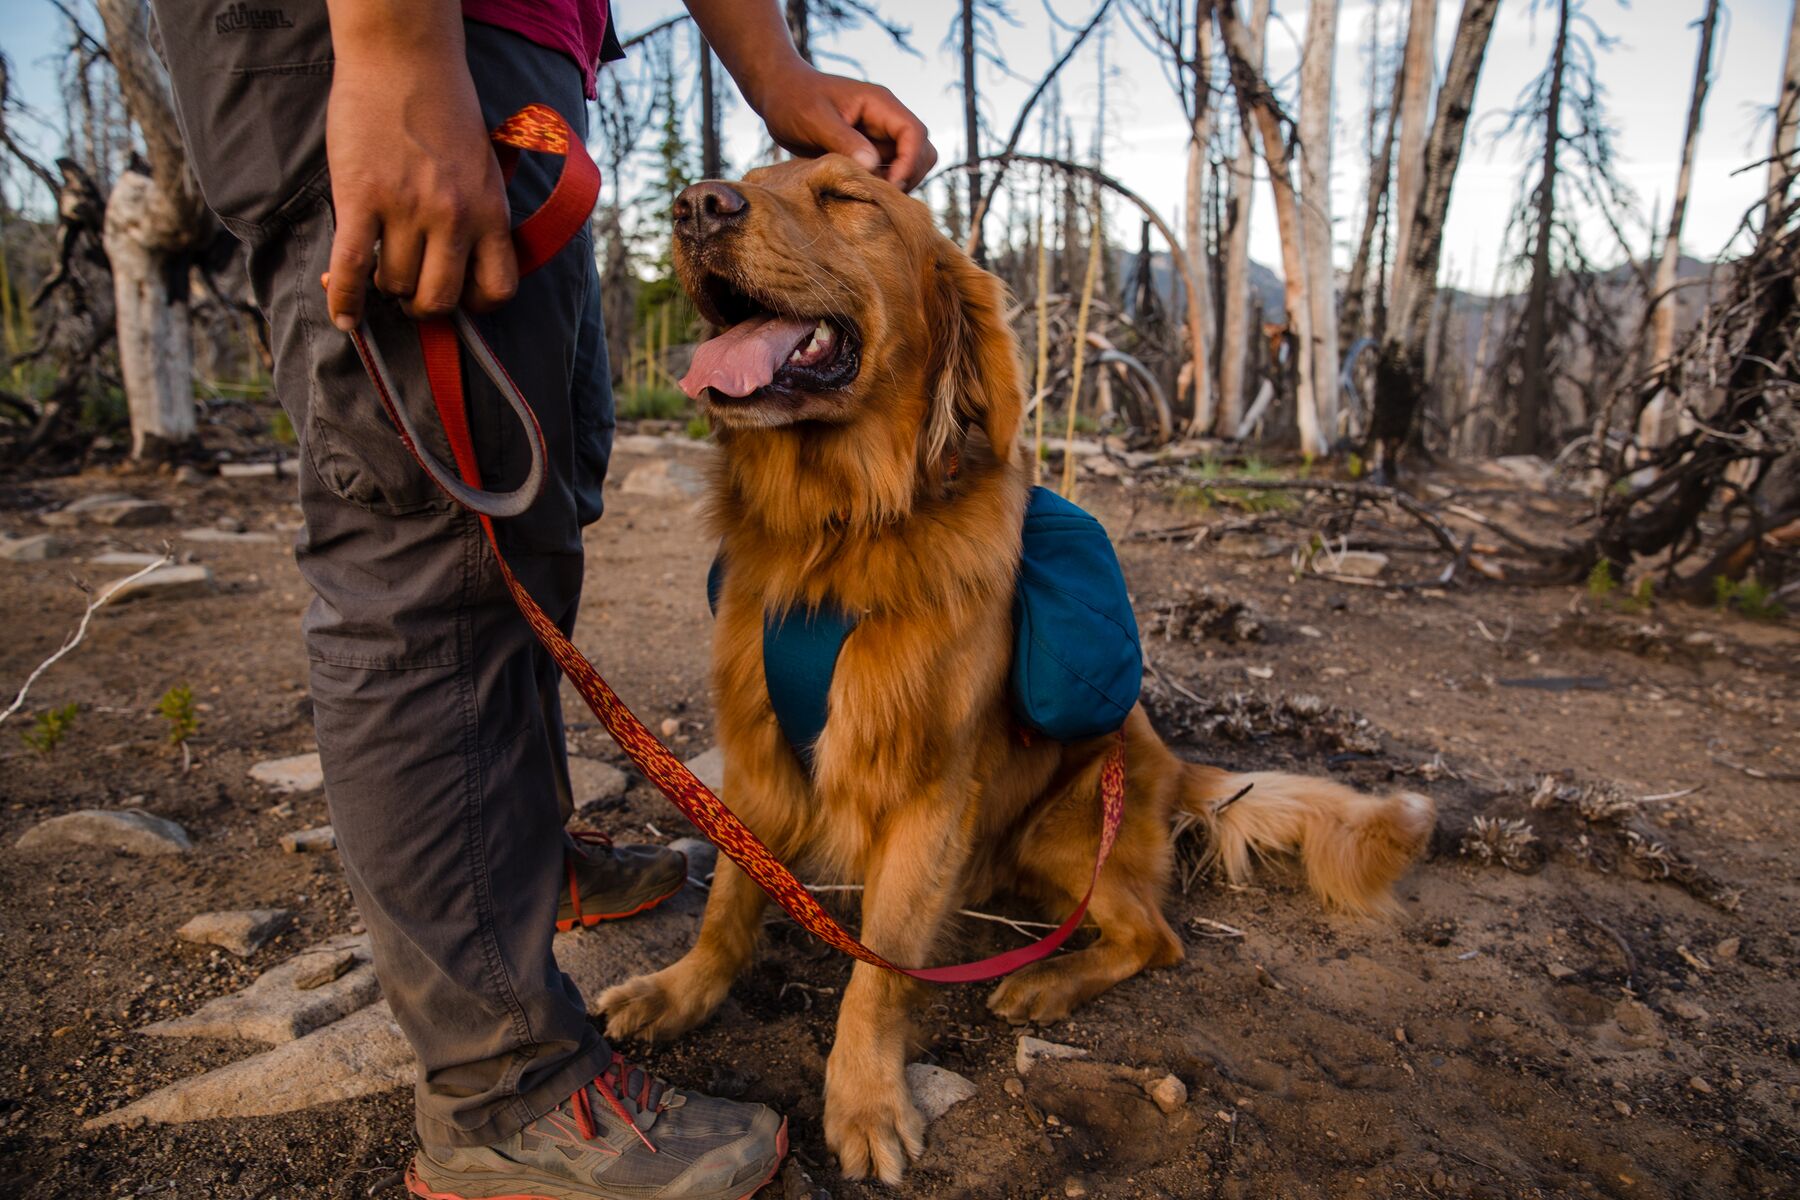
(606, 882)
(625, 1136)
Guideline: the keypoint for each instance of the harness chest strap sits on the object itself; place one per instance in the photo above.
(540, 128)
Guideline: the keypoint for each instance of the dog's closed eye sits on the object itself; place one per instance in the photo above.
(835, 195)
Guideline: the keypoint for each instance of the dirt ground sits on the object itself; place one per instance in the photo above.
(1612, 1011)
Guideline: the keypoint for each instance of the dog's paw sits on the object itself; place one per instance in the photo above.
(655, 1008)
(875, 1134)
(1037, 995)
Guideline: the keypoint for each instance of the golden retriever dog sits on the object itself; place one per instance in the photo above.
(866, 395)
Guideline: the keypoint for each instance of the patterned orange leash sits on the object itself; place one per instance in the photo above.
(540, 128)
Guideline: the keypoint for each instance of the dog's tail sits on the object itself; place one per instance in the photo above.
(1353, 846)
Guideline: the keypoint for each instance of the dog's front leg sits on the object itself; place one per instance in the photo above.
(910, 886)
(672, 1001)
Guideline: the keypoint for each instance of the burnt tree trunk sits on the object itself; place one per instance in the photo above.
(712, 162)
(1534, 384)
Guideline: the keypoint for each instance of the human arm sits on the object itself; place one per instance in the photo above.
(807, 111)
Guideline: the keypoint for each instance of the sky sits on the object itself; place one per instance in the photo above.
(1647, 75)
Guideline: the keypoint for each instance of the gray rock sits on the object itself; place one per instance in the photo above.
(257, 470)
(227, 537)
(1032, 1051)
(1358, 564)
(702, 858)
(665, 479)
(37, 547)
(73, 512)
(242, 932)
(935, 1090)
(126, 558)
(360, 1055)
(168, 583)
(1168, 1092)
(131, 831)
(321, 969)
(298, 773)
(310, 841)
(598, 958)
(593, 781)
(275, 1008)
(126, 514)
(709, 768)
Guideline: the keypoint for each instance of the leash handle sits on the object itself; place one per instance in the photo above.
(536, 240)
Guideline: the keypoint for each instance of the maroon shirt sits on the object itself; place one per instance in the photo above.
(577, 28)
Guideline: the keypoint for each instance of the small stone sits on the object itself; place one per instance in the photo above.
(1074, 1188)
(227, 537)
(1700, 1085)
(1260, 672)
(702, 858)
(1169, 1093)
(230, 524)
(188, 475)
(1561, 971)
(1622, 1108)
(592, 781)
(665, 479)
(317, 970)
(1728, 947)
(709, 768)
(670, 727)
(1309, 632)
(935, 1090)
(1687, 1010)
(167, 583)
(1031, 1051)
(1358, 564)
(310, 841)
(73, 512)
(131, 832)
(1014, 1088)
(38, 547)
(242, 932)
(299, 773)
(126, 558)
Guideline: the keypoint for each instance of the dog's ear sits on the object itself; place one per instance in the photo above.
(975, 377)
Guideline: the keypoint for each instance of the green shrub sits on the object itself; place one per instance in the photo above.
(49, 728)
(177, 708)
(1750, 597)
(653, 403)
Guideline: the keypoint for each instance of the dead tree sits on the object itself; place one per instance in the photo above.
(155, 220)
(1417, 74)
(1239, 303)
(1400, 381)
(1782, 162)
(1318, 53)
(1355, 322)
(1662, 311)
(1255, 97)
(1534, 383)
(712, 159)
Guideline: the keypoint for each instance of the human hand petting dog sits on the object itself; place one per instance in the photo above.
(420, 205)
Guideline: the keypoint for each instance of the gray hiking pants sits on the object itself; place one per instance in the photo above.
(437, 715)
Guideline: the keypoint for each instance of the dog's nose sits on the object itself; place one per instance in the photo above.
(708, 208)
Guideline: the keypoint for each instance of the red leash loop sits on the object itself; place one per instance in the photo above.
(537, 239)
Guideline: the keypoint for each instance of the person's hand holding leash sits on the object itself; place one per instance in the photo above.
(411, 166)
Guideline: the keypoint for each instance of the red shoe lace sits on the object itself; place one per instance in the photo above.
(617, 1073)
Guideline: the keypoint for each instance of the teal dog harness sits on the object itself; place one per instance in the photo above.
(1077, 666)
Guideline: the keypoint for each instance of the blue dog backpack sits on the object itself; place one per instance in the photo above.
(1077, 666)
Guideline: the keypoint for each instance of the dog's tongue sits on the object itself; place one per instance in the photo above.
(744, 357)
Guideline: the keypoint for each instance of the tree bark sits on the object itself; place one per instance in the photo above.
(153, 223)
(1417, 73)
(1782, 164)
(1651, 425)
(1354, 323)
(1534, 384)
(1316, 71)
(1254, 96)
(971, 129)
(712, 161)
(1199, 314)
(1240, 307)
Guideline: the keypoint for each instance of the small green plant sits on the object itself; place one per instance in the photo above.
(698, 429)
(1205, 494)
(48, 729)
(1750, 597)
(1643, 596)
(1355, 466)
(653, 403)
(177, 708)
(1601, 582)
(282, 429)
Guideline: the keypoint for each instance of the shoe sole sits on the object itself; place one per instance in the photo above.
(586, 920)
(421, 1189)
